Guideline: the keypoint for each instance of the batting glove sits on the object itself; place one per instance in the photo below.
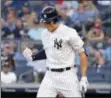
(27, 53)
(83, 84)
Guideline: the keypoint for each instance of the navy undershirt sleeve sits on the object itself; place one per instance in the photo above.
(39, 56)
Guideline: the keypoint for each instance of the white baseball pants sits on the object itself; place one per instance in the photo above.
(65, 83)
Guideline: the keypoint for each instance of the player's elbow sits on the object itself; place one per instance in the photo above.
(83, 56)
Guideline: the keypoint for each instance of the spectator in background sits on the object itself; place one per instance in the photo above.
(8, 50)
(64, 18)
(11, 24)
(80, 16)
(7, 2)
(11, 30)
(108, 52)
(87, 46)
(26, 20)
(34, 18)
(5, 32)
(91, 10)
(7, 54)
(7, 77)
(17, 4)
(19, 58)
(19, 31)
(67, 8)
(78, 28)
(5, 7)
(12, 11)
(13, 46)
(24, 9)
(96, 33)
(99, 59)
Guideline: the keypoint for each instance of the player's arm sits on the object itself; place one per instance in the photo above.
(78, 46)
(83, 63)
(27, 53)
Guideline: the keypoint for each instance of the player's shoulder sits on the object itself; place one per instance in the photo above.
(69, 31)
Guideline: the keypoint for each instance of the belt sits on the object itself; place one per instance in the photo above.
(59, 70)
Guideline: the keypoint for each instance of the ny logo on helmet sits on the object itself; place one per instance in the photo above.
(58, 44)
(45, 16)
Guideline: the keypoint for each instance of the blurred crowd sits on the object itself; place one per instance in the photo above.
(20, 26)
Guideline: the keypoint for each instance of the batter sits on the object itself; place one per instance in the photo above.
(60, 43)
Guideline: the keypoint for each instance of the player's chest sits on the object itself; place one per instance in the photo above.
(56, 43)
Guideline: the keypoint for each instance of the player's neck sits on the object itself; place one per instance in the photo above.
(55, 27)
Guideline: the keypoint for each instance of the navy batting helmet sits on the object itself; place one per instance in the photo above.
(49, 14)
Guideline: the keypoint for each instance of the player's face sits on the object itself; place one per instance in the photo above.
(49, 26)
(6, 69)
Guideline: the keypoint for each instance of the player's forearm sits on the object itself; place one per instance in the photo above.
(27, 53)
(39, 56)
(84, 63)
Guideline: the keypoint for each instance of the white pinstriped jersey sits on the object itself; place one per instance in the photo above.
(61, 46)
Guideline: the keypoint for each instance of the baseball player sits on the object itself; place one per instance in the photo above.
(60, 44)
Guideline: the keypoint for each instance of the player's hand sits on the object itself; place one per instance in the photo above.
(83, 84)
(27, 53)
